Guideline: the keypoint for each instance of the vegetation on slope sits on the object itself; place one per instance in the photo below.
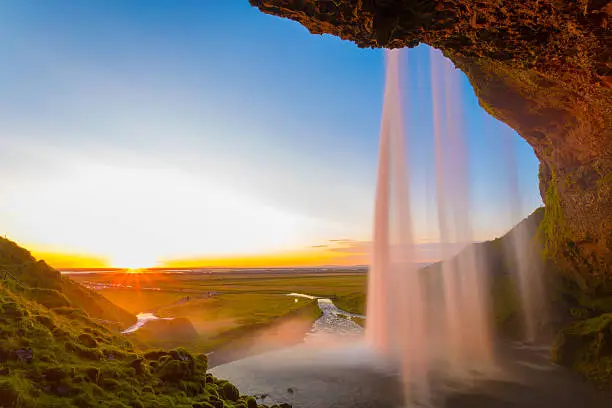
(60, 358)
(586, 346)
(48, 287)
(53, 354)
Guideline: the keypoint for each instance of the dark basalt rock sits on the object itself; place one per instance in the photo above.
(543, 67)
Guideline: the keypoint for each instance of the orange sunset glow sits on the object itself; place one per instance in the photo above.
(340, 252)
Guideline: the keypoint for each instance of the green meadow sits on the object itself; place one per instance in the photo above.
(224, 307)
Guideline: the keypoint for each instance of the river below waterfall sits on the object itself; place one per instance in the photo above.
(349, 376)
(344, 373)
(335, 322)
(142, 319)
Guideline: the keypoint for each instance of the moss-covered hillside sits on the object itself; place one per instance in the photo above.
(52, 354)
(48, 287)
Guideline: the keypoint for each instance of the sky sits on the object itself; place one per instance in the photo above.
(153, 132)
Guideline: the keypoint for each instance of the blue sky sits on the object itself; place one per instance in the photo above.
(106, 106)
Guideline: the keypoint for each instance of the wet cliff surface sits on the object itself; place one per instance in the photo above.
(543, 67)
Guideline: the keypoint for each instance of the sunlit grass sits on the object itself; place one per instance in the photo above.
(222, 306)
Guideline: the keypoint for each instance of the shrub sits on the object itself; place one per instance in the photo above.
(230, 391)
(201, 362)
(174, 371)
(155, 354)
(251, 402)
(212, 390)
(191, 388)
(181, 354)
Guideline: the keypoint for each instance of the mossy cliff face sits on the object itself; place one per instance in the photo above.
(543, 67)
(59, 347)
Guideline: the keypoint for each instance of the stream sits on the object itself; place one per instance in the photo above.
(334, 320)
(142, 319)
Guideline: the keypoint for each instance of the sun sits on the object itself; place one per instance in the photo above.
(133, 263)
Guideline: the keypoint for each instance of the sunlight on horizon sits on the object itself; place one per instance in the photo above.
(147, 217)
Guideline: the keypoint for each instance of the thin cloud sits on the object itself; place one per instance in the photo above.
(359, 251)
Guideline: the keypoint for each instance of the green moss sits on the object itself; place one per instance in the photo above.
(14, 392)
(553, 226)
(230, 391)
(202, 404)
(48, 287)
(586, 346)
(87, 340)
(49, 297)
(66, 360)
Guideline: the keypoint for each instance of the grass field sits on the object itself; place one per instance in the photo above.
(225, 306)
